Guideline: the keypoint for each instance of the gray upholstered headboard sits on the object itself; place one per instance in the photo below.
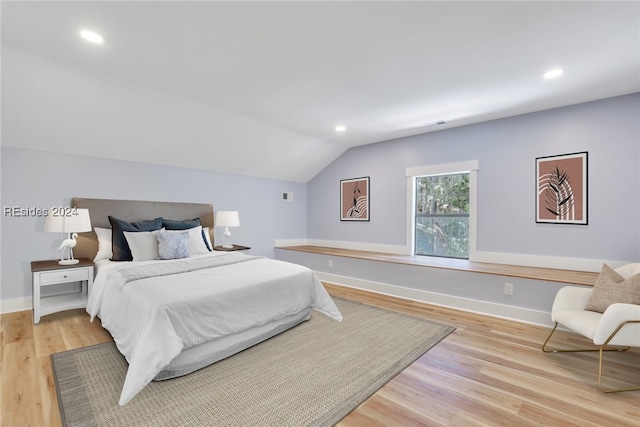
(134, 210)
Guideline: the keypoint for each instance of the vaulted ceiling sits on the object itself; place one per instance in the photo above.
(278, 77)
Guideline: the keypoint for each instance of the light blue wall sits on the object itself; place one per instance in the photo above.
(506, 150)
(48, 103)
(44, 179)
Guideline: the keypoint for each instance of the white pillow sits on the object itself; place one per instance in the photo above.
(104, 243)
(196, 243)
(143, 244)
(208, 237)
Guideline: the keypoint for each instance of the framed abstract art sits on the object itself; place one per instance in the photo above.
(354, 199)
(561, 184)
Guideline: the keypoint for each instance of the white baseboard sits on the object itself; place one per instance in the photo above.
(481, 307)
(15, 304)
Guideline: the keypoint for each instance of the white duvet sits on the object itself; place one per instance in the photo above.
(153, 319)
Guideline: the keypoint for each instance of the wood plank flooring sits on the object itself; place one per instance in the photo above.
(489, 372)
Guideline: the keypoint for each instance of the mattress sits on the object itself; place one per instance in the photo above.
(171, 317)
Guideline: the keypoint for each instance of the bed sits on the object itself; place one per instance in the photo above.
(172, 317)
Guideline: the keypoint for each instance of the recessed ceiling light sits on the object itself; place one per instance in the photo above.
(341, 128)
(553, 73)
(91, 36)
(438, 123)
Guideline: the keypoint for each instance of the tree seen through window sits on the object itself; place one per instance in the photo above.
(442, 215)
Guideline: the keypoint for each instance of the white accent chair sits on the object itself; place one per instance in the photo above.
(619, 325)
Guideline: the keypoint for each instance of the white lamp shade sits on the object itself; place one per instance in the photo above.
(227, 219)
(76, 220)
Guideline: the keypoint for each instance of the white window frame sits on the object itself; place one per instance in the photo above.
(471, 167)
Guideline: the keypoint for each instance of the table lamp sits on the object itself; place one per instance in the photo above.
(227, 219)
(71, 221)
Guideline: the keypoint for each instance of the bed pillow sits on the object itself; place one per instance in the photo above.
(143, 245)
(171, 224)
(207, 238)
(104, 243)
(172, 245)
(197, 245)
(120, 247)
(611, 288)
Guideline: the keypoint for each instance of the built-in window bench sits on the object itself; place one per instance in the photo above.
(537, 273)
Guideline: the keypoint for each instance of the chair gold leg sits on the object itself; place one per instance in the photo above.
(600, 386)
(605, 389)
(546, 350)
(581, 350)
(544, 346)
(600, 349)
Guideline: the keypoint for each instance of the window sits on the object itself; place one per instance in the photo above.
(442, 209)
(442, 215)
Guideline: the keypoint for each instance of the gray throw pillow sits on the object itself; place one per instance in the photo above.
(611, 288)
(172, 245)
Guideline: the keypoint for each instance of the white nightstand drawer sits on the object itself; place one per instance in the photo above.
(61, 276)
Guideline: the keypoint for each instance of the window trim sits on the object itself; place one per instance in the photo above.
(471, 167)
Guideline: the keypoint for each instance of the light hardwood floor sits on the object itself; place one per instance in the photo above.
(489, 372)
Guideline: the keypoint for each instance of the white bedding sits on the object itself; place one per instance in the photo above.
(152, 320)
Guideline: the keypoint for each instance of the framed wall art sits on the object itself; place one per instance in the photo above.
(561, 184)
(354, 199)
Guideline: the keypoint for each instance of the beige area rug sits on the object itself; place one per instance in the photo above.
(311, 375)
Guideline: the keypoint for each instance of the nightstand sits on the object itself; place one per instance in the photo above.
(234, 248)
(47, 273)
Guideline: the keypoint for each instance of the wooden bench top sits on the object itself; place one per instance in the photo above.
(586, 278)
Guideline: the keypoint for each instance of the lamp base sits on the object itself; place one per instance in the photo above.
(228, 246)
(68, 261)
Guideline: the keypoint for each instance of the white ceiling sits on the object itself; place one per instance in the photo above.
(383, 69)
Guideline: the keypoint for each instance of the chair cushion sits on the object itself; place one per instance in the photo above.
(629, 270)
(611, 287)
(583, 322)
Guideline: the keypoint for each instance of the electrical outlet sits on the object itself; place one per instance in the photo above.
(330, 263)
(508, 288)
